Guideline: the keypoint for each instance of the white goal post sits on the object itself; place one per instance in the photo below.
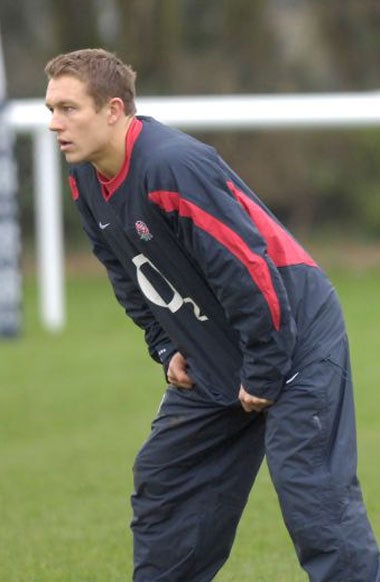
(242, 112)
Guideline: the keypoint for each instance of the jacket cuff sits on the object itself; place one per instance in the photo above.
(165, 354)
(269, 391)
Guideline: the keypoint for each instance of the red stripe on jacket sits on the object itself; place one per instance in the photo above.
(283, 249)
(73, 187)
(255, 264)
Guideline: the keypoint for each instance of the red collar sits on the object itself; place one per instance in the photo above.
(109, 187)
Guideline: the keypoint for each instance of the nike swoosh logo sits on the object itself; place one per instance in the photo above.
(292, 378)
(103, 226)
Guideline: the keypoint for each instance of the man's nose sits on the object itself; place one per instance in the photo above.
(55, 123)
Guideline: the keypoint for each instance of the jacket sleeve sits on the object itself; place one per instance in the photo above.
(128, 294)
(192, 191)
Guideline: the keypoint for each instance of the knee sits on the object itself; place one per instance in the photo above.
(154, 479)
(145, 475)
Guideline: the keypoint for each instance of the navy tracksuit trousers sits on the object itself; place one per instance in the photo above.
(194, 474)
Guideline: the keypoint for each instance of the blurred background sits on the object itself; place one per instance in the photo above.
(322, 183)
(75, 406)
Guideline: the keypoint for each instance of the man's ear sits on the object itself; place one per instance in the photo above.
(115, 110)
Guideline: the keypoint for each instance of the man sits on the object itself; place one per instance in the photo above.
(247, 326)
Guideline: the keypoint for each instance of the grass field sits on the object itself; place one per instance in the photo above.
(74, 409)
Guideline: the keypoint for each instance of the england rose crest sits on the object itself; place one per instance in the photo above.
(142, 230)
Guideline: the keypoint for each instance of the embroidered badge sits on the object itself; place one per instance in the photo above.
(143, 231)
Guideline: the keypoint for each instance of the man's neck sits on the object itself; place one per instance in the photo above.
(113, 160)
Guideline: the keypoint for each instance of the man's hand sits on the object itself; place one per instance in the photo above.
(177, 372)
(252, 403)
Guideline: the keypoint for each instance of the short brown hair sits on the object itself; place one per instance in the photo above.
(105, 75)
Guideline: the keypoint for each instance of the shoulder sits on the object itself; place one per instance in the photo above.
(166, 146)
(81, 171)
(80, 177)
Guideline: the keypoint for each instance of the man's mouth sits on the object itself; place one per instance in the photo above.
(64, 144)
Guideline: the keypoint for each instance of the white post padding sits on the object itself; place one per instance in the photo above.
(49, 229)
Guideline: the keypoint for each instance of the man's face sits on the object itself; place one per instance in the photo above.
(83, 132)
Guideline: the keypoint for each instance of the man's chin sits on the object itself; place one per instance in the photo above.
(73, 158)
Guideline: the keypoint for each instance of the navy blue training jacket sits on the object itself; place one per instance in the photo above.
(203, 267)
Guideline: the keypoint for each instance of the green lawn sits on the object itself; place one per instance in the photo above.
(74, 409)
